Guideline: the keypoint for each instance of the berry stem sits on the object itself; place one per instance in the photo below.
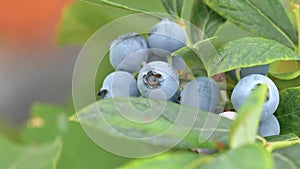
(271, 146)
(238, 74)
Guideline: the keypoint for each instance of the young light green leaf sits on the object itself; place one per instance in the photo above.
(104, 117)
(246, 157)
(45, 156)
(166, 160)
(207, 22)
(47, 121)
(173, 7)
(288, 111)
(244, 128)
(258, 17)
(287, 158)
(248, 52)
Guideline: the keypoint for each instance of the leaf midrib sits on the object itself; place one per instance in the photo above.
(271, 22)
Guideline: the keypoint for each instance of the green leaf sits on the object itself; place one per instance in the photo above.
(93, 116)
(244, 128)
(47, 121)
(166, 160)
(205, 20)
(113, 5)
(44, 156)
(192, 60)
(252, 156)
(287, 158)
(248, 52)
(265, 18)
(284, 137)
(83, 18)
(284, 84)
(173, 7)
(285, 70)
(288, 111)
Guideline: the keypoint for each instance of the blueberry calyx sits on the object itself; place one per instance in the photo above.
(102, 93)
(153, 79)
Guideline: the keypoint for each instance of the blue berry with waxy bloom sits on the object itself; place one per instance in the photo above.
(128, 52)
(158, 80)
(247, 84)
(261, 69)
(166, 35)
(119, 83)
(269, 127)
(202, 93)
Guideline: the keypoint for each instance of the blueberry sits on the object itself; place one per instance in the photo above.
(128, 52)
(249, 83)
(202, 93)
(166, 35)
(261, 69)
(269, 127)
(158, 80)
(119, 83)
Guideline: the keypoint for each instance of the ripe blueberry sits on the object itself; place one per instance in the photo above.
(269, 127)
(249, 83)
(128, 52)
(158, 80)
(119, 83)
(262, 69)
(202, 93)
(166, 35)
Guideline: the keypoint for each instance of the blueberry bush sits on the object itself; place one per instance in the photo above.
(253, 72)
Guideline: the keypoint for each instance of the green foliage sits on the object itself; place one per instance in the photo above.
(240, 158)
(287, 158)
(240, 53)
(230, 144)
(93, 116)
(45, 156)
(47, 122)
(288, 113)
(206, 20)
(244, 128)
(182, 159)
(173, 7)
(258, 17)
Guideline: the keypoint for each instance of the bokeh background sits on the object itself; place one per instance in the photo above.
(33, 67)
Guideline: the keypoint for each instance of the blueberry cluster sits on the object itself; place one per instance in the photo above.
(157, 76)
(251, 78)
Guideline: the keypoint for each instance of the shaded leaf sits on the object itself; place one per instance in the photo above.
(287, 158)
(284, 84)
(165, 160)
(47, 121)
(173, 7)
(252, 156)
(248, 52)
(258, 17)
(244, 128)
(104, 116)
(285, 137)
(207, 22)
(45, 156)
(285, 70)
(81, 20)
(288, 111)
